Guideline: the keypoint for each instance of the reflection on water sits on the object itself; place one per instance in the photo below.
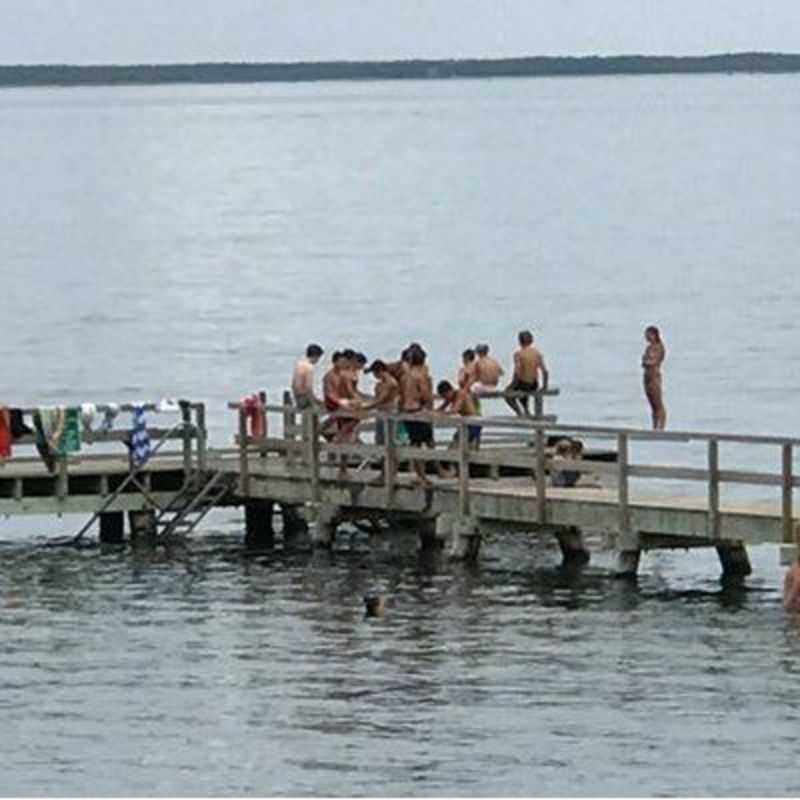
(209, 669)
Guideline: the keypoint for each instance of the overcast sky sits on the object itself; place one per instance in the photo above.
(135, 31)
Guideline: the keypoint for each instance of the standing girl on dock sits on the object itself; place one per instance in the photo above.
(652, 359)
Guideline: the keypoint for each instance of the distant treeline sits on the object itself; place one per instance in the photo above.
(115, 75)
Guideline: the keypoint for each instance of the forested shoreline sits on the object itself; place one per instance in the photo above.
(416, 69)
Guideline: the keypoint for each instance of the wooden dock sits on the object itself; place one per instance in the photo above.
(509, 482)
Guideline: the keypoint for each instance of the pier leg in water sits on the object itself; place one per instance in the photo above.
(429, 539)
(460, 534)
(258, 523)
(734, 559)
(112, 527)
(143, 526)
(629, 552)
(293, 521)
(573, 549)
(327, 518)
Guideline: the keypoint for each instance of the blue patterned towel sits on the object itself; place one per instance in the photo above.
(140, 438)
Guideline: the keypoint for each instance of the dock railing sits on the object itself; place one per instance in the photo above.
(522, 443)
(189, 433)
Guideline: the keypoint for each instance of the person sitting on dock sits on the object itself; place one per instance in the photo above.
(528, 367)
(487, 372)
(303, 378)
(462, 403)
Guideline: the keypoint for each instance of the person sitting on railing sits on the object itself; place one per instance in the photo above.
(528, 366)
(487, 372)
(303, 378)
(461, 403)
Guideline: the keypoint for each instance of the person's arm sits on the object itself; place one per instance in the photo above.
(517, 361)
(545, 375)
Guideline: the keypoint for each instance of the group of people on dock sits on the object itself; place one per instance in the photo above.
(406, 385)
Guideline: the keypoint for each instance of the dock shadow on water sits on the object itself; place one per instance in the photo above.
(207, 668)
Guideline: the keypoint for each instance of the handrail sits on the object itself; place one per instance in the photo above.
(129, 479)
(540, 455)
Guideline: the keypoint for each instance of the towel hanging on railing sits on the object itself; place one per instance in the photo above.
(140, 438)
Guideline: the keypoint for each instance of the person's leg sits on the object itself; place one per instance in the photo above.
(513, 402)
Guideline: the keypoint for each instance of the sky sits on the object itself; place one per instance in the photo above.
(169, 31)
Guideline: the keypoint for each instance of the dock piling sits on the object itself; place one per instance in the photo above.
(573, 548)
(112, 527)
(258, 523)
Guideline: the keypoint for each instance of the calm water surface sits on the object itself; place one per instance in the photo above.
(190, 240)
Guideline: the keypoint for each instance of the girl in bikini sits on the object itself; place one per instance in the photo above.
(652, 359)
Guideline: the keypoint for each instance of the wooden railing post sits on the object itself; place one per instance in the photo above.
(463, 470)
(623, 488)
(311, 429)
(62, 480)
(713, 489)
(538, 404)
(390, 456)
(244, 463)
(786, 496)
(541, 484)
(202, 437)
(186, 418)
(289, 421)
(262, 399)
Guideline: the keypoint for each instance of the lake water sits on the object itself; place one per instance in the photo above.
(189, 241)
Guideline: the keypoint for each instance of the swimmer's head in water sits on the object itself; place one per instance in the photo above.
(374, 605)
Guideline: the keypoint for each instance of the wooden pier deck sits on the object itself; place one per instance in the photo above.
(507, 482)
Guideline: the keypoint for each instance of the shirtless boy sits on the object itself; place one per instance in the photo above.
(339, 395)
(461, 403)
(417, 395)
(303, 378)
(487, 371)
(528, 367)
(387, 391)
(466, 374)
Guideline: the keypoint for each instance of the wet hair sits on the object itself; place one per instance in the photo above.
(338, 355)
(444, 387)
(406, 355)
(525, 338)
(314, 350)
(482, 349)
(468, 354)
(651, 329)
(349, 354)
(361, 359)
